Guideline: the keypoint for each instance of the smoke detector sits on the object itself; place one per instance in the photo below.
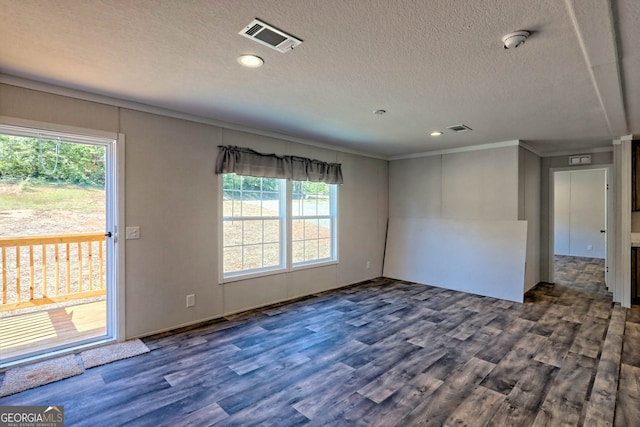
(515, 39)
(268, 35)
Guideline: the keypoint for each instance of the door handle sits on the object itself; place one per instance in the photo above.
(108, 234)
(603, 231)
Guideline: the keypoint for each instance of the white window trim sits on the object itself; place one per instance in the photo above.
(282, 218)
(285, 236)
(333, 218)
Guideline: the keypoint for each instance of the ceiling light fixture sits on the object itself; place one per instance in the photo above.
(436, 133)
(250, 61)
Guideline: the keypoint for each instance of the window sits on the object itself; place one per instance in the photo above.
(253, 224)
(313, 216)
(257, 212)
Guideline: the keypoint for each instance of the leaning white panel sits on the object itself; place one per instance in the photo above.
(476, 256)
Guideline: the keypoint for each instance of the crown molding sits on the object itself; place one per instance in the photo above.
(513, 143)
(578, 152)
(137, 106)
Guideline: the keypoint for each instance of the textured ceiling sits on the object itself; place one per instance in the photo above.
(573, 86)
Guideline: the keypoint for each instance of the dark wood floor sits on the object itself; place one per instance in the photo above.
(382, 353)
(628, 408)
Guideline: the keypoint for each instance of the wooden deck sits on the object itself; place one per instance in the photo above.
(37, 331)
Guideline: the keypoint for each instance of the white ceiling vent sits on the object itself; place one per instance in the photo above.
(459, 128)
(270, 36)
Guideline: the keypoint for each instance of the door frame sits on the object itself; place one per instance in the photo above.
(609, 215)
(116, 304)
(114, 144)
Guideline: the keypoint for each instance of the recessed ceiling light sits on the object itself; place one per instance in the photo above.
(250, 61)
(380, 112)
(436, 133)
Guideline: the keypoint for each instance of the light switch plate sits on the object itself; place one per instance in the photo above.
(132, 233)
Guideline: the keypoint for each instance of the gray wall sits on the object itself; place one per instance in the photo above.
(479, 184)
(171, 192)
(529, 210)
(473, 191)
(546, 224)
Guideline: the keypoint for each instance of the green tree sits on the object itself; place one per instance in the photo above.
(51, 161)
(250, 186)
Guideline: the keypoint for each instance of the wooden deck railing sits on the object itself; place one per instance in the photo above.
(50, 269)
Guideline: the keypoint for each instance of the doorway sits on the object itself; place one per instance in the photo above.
(57, 216)
(580, 212)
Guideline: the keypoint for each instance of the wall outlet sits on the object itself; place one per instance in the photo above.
(132, 232)
(368, 265)
(589, 247)
(191, 300)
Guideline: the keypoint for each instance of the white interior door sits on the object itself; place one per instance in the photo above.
(588, 213)
(580, 219)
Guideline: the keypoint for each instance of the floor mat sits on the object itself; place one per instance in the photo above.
(111, 353)
(30, 376)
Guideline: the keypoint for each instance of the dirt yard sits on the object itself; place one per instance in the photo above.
(311, 238)
(46, 211)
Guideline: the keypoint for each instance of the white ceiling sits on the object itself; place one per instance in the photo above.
(573, 86)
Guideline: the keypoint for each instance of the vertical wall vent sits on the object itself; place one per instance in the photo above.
(268, 35)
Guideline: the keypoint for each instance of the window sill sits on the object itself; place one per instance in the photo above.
(303, 266)
(240, 276)
(264, 273)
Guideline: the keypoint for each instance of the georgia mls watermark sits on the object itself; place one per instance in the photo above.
(31, 416)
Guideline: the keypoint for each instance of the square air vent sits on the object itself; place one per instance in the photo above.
(267, 35)
(459, 128)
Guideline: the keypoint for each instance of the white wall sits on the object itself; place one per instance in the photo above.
(562, 212)
(622, 159)
(477, 192)
(172, 194)
(476, 256)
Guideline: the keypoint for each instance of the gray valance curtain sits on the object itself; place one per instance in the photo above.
(244, 161)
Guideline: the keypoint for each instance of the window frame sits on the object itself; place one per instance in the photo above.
(281, 218)
(286, 258)
(333, 220)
